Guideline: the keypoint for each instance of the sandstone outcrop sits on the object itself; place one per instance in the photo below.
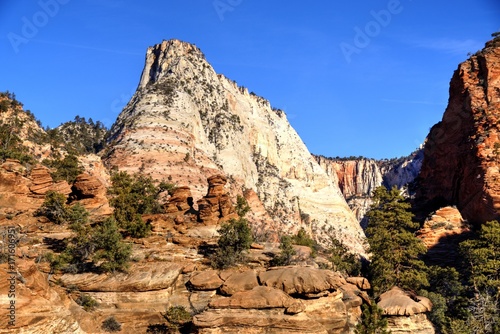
(216, 204)
(283, 300)
(14, 188)
(399, 302)
(441, 234)
(260, 297)
(40, 308)
(163, 273)
(461, 157)
(302, 280)
(181, 200)
(90, 192)
(206, 280)
(406, 312)
(42, 182)
(145, 277)
(186, 123)
(239, 282)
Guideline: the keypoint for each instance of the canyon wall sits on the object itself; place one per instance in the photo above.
(462, 155)
(357, 178)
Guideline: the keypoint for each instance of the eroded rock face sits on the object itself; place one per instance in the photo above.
(302, 280)
(40, 308)
(42, 182)
(187, 123)
(14, 188)
(216, 204)
(359, 177)
(90, 192)
(238, 282)
(356, 179)
(283, 300)
(399, 302)
(147, 277)
(441, 234)
(260, 297)
(181, 200)
(461, 156)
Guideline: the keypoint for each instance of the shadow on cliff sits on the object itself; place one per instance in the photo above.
(445, 252)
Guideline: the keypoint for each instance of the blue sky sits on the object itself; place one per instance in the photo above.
(355, 78)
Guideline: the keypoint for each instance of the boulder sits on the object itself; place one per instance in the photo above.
(399, 302)
(302, 280)
(238, 282)
(206, 280)
(90, 191)
(260, 297)
(88, 186)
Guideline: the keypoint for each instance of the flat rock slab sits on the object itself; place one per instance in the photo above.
(143, 277)
(302, 280)
(255, 321)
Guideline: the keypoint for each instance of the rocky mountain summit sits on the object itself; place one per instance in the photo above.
(186, 123)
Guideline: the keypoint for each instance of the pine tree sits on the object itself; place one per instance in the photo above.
(482, 255)
(395, 249)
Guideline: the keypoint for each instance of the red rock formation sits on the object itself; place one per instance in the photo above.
(14, 188)
(91, 193)
(216, 204)
(462, 154)
(181, 200)
(42, 182)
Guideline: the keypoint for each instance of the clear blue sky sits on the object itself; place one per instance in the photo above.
(354, 77)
